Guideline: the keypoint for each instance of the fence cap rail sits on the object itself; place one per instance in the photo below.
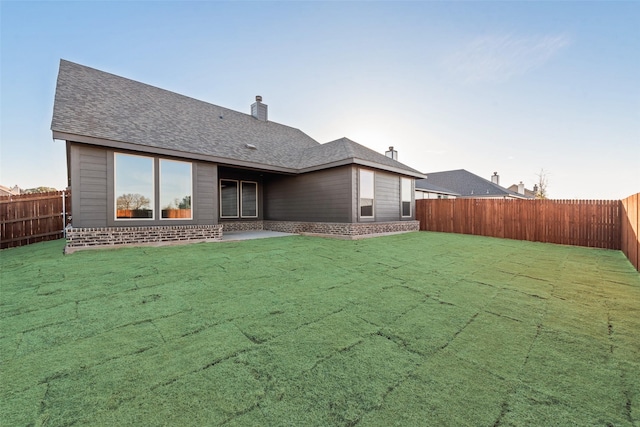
(33, 196)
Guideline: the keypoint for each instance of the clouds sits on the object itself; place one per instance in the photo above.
(497, 58)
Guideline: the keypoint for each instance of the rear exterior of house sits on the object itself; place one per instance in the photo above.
(147, 166)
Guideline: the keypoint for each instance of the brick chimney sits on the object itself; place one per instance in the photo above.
(259, 110)
(495, 178)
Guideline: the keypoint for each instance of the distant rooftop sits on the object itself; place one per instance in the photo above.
(466, 184)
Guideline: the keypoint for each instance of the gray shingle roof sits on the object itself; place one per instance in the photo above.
(466, 184)
(425, 185)
(104, 107)
(346, 149)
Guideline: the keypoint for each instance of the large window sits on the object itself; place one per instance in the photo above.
(134, 177)
(238, 199)
(405, 195)
(175, 189)
(366, 191)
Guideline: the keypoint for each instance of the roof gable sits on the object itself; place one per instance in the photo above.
(345, 149)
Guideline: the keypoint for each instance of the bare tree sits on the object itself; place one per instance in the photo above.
(541, 187)
(132, 202)
(38, 190)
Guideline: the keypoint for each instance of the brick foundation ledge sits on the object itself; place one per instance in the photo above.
(342, 229)
(242, 225)
(103, 237)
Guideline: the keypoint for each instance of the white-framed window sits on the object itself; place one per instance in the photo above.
(134, 187)
(238, 199)
(229, 203)
(249, 199)
(366, 191)
(175, 189)
(405, 197)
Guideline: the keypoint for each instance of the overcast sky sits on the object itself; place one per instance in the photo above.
(512, 87)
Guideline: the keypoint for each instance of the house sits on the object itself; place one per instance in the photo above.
(10, 191)
(467, 185)
(520, 189)
(147, 165)
(427, 190)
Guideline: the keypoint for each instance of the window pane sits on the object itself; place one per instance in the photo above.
(366, 207)
(366, 184)
(366, 189)
(249, 199)
(175, 189)
(405, 190)
(133, 187)
(406, 208)
(228, 198)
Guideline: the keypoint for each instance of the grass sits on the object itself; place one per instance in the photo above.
(414, 329)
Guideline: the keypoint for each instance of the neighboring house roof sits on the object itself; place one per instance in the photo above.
(467, 184)
(527, 192)
(6, 191)
(96, 107)
(425, 185)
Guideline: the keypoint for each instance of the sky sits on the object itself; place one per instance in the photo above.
(519, 88)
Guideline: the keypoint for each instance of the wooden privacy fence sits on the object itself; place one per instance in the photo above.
(609, 224)
(630, 239)
(594, 223)
(31, 218)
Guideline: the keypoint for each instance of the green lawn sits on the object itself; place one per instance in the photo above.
(413, 329)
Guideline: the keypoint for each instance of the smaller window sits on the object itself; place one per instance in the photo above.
(228, 198)
(249, 205)
(405, 192)
(367, 192)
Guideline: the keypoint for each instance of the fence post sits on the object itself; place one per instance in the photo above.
(64, 214)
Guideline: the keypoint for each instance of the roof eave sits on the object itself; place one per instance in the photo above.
(356, 161)
(119, 145)
(449, 193)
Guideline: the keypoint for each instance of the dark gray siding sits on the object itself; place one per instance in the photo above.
(387, 197)
(323, 196)
(92, 197)
(88, 186)
(354, 194)
(205, 198)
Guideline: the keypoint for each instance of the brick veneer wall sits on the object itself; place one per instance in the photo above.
(82, 238)
(342, 229)
(242, 225)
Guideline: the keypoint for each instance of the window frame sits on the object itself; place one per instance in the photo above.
(237, 215)
(241, 199)
(152, 202)
(405, 181)
(160, 160)
(373, 191)
(239, 202)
